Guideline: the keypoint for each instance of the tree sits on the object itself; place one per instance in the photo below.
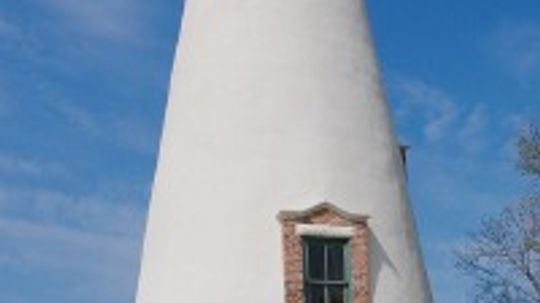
(503, 256)
(529, 152)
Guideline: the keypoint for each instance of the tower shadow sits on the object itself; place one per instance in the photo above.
(378, 258)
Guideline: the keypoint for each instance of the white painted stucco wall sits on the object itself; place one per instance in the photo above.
(274, 105)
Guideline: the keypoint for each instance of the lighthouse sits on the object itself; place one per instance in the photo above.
(279, 179)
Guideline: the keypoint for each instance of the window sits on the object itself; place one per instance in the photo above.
(325, 255)
(326, 270)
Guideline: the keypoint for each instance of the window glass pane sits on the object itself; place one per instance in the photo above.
(316, 260)
(336, 294)
(315, 294)
(335, 262)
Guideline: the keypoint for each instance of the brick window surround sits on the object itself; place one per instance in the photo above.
(325, 221)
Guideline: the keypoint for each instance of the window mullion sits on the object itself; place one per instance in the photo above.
(326, 294)
(325, 258)
(306, 261)
(325, 277)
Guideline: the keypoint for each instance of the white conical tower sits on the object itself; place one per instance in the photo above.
(274, 105)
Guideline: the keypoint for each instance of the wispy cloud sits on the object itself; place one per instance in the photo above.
(435, 106)
(100, 213)
(450, 170)
(516, 48)
(103, 267)
(68, 232)
(77, 117)
(440, 117)
(471, 135)
(457, 170)
(15, 165)
(112, 19)
(50, 235)
(127, 131)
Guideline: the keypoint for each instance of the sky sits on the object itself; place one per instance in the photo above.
(83, 87)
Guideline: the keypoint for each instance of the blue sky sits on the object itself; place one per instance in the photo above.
(83, 86)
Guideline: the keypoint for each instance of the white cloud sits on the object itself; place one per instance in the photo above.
(126, 131)
(436, 107)
(113, 19)
(516, 47)
(51, 235)
(77, 117)
(472, 135)
(14, 165)
(475, 122)
(105, 266)
(100, 213)
(25, 233)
